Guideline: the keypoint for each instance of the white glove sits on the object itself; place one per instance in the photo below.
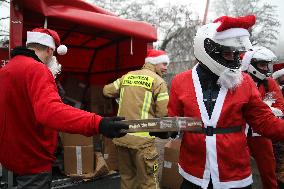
(276, 112)
(54, 66)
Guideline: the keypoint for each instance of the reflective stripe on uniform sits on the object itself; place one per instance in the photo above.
(162, 96)
(145, 112)
(120, 97)
(142, 134)
(146, 105)
(117, 84)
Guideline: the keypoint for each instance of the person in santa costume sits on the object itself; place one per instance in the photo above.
(258, 63)
(31, 112)
(278, 75)
(216, 91)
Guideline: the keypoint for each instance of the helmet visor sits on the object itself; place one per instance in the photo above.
(262, 66)
(227, 56)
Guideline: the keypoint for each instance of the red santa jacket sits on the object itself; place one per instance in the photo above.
(31, 113)
(275, 93)
(224, 157)
(273, 88)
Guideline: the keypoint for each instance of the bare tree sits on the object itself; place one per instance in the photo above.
(4, 22)
(4, 2)
(266, 30)
(175, 26)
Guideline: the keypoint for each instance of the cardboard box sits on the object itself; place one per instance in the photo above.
(171, 179)
(110, 154)
(97, 142)
(78, 160)
(101, 166)
(76, 140)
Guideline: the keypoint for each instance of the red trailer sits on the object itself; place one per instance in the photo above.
(101, 46)
(4, 56)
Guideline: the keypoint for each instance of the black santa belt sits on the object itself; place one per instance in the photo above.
(210, 130)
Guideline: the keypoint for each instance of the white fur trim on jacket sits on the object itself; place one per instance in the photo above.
(224, 185)
(278, 73)
(40, 38)
(158, 59)
(211, 165)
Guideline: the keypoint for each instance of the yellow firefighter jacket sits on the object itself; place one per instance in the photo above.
(142, 94)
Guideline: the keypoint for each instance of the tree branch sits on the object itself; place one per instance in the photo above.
(167, 40)
(5, 18)
(5, 1)
(4, 31)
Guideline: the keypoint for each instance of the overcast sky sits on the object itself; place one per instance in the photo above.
(198, 7)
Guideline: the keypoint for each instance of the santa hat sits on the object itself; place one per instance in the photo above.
(46, 37)
(278, 70)
(157, 57)
(231, 27)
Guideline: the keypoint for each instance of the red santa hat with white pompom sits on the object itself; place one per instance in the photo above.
(47, 37)
(157, 57)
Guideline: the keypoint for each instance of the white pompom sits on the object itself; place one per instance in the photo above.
(62, 50)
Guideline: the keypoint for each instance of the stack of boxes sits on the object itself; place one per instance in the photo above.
(78, 154)
(110, 154)
(105, 107)
(171, 179)
(80, 158)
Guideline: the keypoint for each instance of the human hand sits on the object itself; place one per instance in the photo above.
(111, 127)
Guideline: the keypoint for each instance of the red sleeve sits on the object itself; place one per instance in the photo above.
(259, 116)
(175, 107)
(279, 101)
(51, 112)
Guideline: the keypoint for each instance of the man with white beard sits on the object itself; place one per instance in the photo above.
(32, 113)
(225, 99)
(54, 66)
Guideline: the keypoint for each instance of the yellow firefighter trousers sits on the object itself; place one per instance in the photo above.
(138, 167)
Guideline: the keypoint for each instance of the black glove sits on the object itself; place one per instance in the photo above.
(164, 135)
(161, 135)
(111, 126)
(173, 134)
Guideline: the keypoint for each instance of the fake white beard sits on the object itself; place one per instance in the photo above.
(230, 78)
(54, 66)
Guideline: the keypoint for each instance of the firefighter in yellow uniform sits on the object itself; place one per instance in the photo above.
(142, 94)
